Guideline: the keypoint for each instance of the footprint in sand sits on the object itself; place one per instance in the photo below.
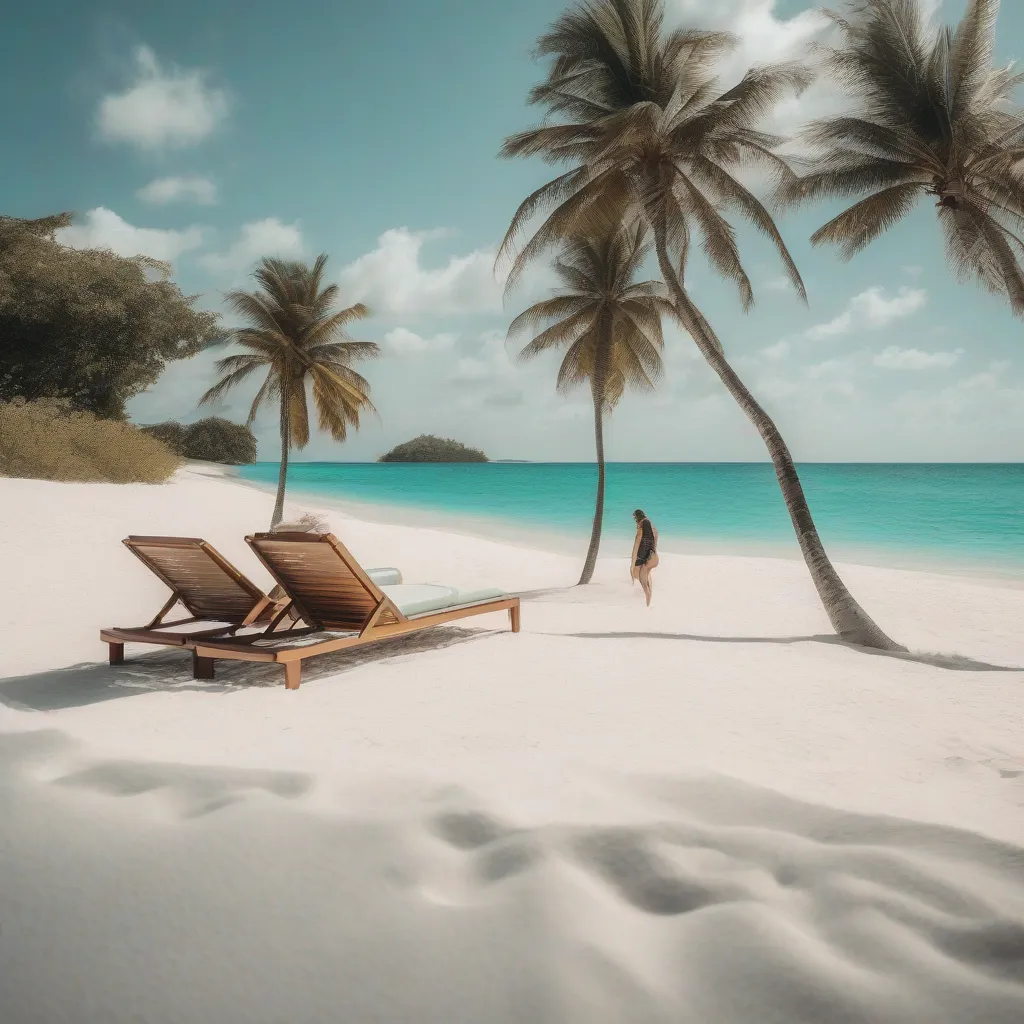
(498, 852)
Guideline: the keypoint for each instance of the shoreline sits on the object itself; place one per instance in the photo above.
(564, 544)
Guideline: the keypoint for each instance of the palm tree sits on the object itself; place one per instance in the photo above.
(934, 117)
(649, 134)
(610, 328)
(294, 333)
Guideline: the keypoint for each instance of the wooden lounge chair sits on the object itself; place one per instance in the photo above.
(218, 598)
(340, 606)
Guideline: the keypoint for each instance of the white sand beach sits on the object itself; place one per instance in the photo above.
(705, 811)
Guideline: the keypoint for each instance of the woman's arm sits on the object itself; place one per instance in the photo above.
(632, 557)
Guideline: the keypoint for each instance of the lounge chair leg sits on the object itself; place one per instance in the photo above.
(202, 668)
(116, 654)
(513, 615)
(292, 673)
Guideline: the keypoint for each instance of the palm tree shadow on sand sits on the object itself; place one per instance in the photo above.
(955, 662)
(171, 672)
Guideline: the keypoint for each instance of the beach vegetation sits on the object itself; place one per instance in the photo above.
(428, 448)
(212, 439)
(930, 117)
(86, 325)
(49, 439)
(299, 340)
(637, 114)
(608, 325)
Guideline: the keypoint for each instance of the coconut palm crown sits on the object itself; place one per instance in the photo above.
(297, 336)
(610, 329)
(933, 116)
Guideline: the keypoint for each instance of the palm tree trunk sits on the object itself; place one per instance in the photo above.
(282, 474)
(595, 533)
(597, 388)
(848, 619)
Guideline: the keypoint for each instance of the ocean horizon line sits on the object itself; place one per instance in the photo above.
(637, 462)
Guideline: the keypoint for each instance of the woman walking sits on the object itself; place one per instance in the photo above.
(645, 552)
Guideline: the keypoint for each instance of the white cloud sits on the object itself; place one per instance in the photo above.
(470, 369)
(894, 358)
(174, 190)
(765, 36)
(980, 397)
(777, 351)
(870, 309)
(402, 341)
(268, 237)
(391, 278)
(104, 229)
(162, 108)
(489, 377)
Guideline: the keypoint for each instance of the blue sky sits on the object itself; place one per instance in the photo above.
(213, 133)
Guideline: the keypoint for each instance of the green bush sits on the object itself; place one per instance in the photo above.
(210, 440)
(86, 324)
(172, 434)
(48, 440)
(428, 448)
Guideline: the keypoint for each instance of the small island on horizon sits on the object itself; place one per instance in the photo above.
(429, 448)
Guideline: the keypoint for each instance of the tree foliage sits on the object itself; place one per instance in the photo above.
(607, 324)
(208, 440)
(609, 327)
(301, 341)
(49, 440)
(87, 326)
(932, 116)
(428, 448)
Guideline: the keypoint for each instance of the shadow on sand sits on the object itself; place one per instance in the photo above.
(170, 671)
(955, 662)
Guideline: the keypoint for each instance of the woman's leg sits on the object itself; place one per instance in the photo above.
(645, 577)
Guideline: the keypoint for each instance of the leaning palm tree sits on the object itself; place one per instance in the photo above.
(932, 116)
(610, 328)
(296, 335)
(648, 133)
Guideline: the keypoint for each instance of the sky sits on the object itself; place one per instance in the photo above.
(213, 133)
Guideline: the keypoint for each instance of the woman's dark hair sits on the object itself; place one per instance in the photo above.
(638, 515)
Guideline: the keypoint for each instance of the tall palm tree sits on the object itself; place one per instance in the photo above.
(302, 342)
(610, 329)
(933, 117)
(648, 133)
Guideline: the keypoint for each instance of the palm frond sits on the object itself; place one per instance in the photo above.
(862, 223)
(559, 307)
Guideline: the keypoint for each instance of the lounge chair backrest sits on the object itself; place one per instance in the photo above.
(208, 585)
(329, 587)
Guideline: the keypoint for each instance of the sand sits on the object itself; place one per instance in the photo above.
(706, 811)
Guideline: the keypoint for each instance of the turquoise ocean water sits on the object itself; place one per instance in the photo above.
(957, 517)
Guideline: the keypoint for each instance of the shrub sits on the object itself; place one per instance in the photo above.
(172, 434)
(210, 440)
(48, 440)
(428, 448)
(86, 324)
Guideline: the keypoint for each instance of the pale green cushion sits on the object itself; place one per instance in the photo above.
(385, 577)
(418, 598)
(421, 598)
(478, 596)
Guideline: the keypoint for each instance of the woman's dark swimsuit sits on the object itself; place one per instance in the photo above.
(646, 548)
